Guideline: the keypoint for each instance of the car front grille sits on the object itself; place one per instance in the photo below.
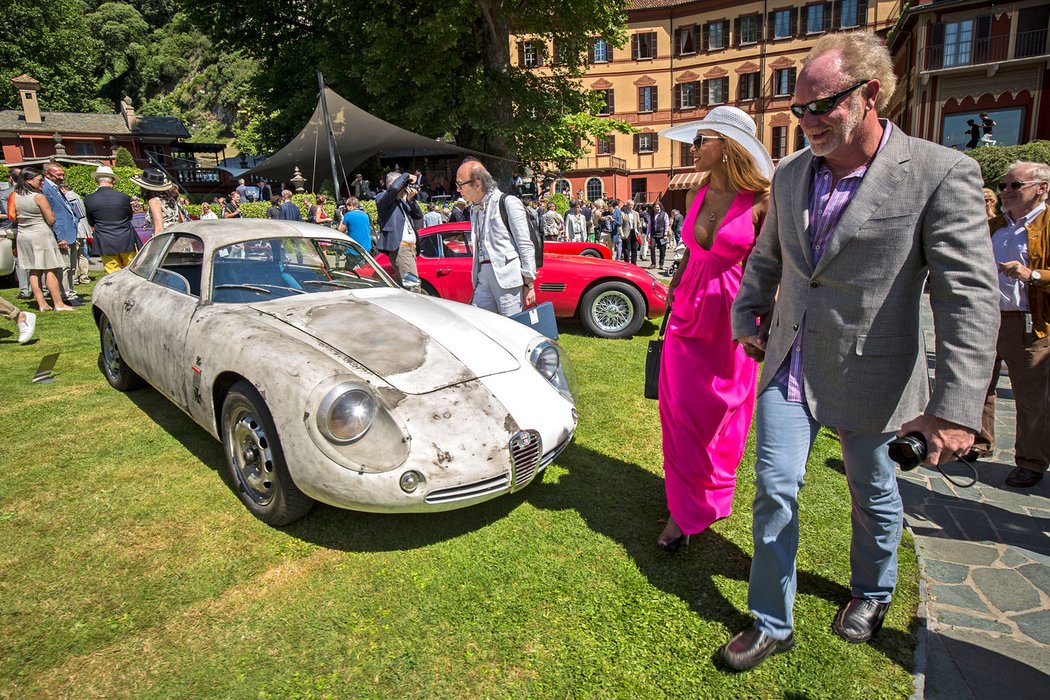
(525, 450)
(463, 492)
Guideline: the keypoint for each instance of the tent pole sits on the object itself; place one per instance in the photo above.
(331, 137)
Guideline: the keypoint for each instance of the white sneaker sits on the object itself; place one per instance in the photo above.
(26, 328)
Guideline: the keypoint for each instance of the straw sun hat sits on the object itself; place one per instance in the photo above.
(152, 179)
(730, 122)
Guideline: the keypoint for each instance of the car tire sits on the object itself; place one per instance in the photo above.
(255, 461)
(590, 253)
(117, 373)
(612, 310)
(428, 289)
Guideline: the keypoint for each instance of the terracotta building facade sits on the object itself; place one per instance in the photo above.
(683, 58)
(964, 59)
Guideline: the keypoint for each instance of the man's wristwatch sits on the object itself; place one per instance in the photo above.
(1035, 276)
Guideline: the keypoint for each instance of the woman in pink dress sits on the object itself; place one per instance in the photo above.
(707, 383)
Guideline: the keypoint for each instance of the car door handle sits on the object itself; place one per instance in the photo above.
(442, 271)
(128, 304)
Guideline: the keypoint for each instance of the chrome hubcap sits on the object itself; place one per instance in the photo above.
(252, 457)
(110, 353)
(612, 311)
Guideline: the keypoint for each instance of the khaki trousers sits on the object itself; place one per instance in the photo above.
(1027, 360)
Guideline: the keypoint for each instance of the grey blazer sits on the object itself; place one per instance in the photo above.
(918, 212)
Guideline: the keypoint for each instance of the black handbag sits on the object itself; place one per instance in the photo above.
(652, 360)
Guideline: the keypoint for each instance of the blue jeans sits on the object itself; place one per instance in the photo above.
(784, 435)
(617, 242)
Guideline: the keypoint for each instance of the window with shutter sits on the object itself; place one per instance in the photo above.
(749, 83)
(847, 13)
(686, 154)
(643, 46)
(814, 19)
(607, 95)
(705, 88)
(686, 41)
(599, 50)
(643, 143)
(783, 24)
(748, 33)
(715, 36)
(779, 142)
(647, 98)
(717, 89)
(784, 82)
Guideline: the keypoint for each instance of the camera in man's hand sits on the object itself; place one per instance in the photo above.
(909, 451)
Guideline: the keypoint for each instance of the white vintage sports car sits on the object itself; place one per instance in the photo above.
(324, 380)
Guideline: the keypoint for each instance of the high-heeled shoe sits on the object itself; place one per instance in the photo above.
(673, 544)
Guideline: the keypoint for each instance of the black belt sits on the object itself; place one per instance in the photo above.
(486, 262)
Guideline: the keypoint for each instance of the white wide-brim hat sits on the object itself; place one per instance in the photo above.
(105, 171)
(733, 123)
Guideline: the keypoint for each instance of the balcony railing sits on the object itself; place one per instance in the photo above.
(600, 163)
(984, 51)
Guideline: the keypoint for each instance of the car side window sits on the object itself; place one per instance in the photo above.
(182, 266)
(147, 260)
(456, 245)
(429, 246)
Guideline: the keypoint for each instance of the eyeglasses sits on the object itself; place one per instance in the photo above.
(1016, 184)
(825, 104)
(465, 182)
(700, 140)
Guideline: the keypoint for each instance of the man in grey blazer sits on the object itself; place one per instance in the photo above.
(504, 269)
(856, 224)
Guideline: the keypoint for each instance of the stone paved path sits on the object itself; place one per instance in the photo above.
(984, 554)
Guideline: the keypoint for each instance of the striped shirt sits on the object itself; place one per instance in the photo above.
(827, 203)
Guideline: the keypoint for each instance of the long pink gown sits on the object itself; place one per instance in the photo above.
(707, 383)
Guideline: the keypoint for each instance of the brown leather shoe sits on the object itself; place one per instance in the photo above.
(858, 620)
(750, 648)
(1023, 478)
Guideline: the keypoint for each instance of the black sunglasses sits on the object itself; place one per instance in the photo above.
(824, 104)
(698, 142)
(1016, 184)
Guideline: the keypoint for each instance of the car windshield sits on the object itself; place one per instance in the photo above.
(271, 268)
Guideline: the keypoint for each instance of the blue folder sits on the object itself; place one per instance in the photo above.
(540, 318)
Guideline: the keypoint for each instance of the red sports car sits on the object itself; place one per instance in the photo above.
(610, 298)
(586, 249)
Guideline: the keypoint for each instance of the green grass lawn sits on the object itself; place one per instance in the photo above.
(128, 568)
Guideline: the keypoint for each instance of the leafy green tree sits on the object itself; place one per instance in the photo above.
(124, 159)
(51, 42)
(121, 29)
(994, 159)
(431, 69)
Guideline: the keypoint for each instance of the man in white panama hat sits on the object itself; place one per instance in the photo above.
(109, 213)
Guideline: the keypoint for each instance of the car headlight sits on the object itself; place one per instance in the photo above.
(550, 361)
(346, 413)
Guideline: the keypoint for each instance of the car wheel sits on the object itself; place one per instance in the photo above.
(590, 253)
(428, 289)
(118, 374)
(255, 460)
(612, 310)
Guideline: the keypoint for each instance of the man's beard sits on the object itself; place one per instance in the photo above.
(841, 132)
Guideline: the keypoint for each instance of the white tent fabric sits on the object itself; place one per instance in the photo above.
(358, 136)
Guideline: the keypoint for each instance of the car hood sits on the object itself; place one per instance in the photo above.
(414, 344)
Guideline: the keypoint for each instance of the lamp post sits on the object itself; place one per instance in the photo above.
(298, 181)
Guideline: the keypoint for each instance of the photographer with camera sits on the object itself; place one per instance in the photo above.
(844, 257)
(398, 214)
